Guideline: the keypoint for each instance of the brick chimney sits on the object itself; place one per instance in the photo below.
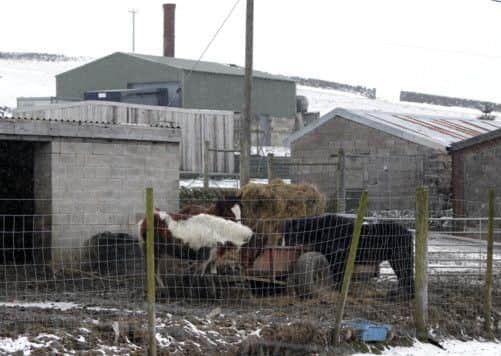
(169, 29)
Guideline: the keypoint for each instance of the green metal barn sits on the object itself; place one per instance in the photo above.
(189, 84)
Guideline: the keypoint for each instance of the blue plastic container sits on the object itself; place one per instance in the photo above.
(367, 331)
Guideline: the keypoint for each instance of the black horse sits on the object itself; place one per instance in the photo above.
(331, 235)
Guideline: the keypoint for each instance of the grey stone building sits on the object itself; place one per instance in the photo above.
(76, 179)
(187, 83)
(387, 154)
(475, 170)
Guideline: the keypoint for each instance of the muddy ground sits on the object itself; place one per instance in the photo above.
(103, 313)
(99, 322)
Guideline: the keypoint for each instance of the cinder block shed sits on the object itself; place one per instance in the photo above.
(63, 182)
(476, 168)
(387, 153)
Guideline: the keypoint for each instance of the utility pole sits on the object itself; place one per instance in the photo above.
(245, 126)
(133, 12)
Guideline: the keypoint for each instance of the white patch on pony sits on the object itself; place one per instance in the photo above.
(208, 231)
(237, 212)
(163, 215)
(139, 236)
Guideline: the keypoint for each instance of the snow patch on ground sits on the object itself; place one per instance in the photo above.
(452, 347)
(22, 344)
(221, 183)
(63, 306)
(164, 341)
(278, 151)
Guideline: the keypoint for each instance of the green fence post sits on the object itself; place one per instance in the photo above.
(421, 265)
(350, 265)
(488, 269)
(150, 272)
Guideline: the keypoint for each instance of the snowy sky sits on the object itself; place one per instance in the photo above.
(448, 47)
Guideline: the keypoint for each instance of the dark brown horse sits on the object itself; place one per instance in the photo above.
(228, 208)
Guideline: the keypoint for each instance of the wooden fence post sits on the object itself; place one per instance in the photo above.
(350, 265)
(421, 265)
(488, 269)
(270, 167)
(150, 272)
(206, 164)
(340, 188)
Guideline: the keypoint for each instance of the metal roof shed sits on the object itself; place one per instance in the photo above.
(437, 132)
(194, 84)
(389, 154)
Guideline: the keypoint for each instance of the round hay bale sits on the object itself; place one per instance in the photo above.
(266, 206)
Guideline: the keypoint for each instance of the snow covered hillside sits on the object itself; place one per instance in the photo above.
(27, 77)
(325, 100)
(34, 75)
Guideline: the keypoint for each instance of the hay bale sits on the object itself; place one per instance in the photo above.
(266, 206)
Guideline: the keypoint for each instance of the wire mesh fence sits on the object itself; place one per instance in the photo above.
(224, 275)
(77, 277)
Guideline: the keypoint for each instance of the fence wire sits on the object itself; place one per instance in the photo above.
(81, 277)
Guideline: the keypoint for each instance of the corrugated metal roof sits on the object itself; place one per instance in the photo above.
(477, 140)
(206, 67)
(46, 130)
(437, 132)
(164, 124)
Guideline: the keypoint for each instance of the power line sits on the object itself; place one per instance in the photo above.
(213, 37)
(209, 44)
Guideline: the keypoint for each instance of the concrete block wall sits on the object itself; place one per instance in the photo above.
(476, 170)
(98, 185)
(390, 168)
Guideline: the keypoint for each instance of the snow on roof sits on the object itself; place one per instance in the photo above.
(434, 131)
(324, 100)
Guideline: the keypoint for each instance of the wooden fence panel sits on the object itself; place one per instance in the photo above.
(218, 127)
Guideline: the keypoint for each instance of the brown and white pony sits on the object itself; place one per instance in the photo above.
(228, 208)
(196, 233)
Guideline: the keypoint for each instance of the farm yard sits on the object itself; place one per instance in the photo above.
(97, 305)
(238, 190)
(257, 270)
